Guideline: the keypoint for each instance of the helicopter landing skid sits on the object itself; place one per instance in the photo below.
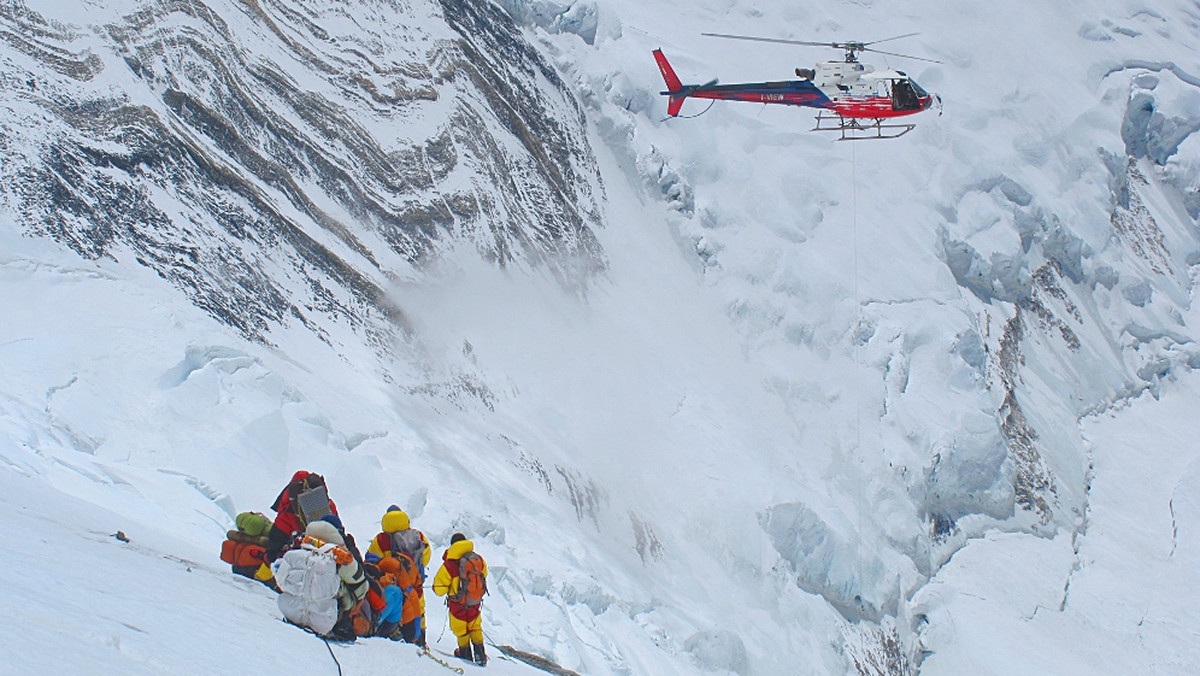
(860, 129)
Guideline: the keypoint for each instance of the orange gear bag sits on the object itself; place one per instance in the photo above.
(243, 554)
(472, 580)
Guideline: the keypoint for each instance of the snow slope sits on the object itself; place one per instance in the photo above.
(1015, 604)
(95, 443)
(877, 408)
(157, 605)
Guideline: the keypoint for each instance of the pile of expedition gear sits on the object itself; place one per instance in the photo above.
(326, 585)
(246, 548)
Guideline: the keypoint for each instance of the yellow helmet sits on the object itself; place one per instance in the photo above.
(395, 520)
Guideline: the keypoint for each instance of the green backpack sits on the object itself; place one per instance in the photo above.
(254, 524)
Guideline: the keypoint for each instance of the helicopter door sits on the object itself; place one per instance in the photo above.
(903, 96)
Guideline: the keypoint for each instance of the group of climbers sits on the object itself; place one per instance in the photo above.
(325, 583)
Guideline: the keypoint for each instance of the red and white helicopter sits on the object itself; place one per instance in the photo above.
(852, 98)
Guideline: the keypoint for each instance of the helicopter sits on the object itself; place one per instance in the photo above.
(851, 98)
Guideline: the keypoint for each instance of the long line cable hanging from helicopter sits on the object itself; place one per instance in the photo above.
(858, 452)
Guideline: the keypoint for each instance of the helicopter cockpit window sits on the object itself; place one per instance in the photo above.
(903, 96)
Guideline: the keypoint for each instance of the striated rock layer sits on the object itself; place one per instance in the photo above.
(275, 170)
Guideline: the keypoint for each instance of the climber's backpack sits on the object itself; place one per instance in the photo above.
(242, 555)
(313, 503)
(409, 543)
(254, 524)
(361, 618)
(309, 584)
(472, 581)
(245, 548)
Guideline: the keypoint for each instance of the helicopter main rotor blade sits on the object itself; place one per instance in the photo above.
(852, 46)
(778, 40)
(875, 42)
(903, 56)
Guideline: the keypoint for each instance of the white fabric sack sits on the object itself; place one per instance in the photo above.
(309, 584)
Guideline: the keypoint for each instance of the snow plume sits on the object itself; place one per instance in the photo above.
(710, 395)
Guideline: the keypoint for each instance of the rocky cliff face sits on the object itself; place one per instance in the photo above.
(287, 162)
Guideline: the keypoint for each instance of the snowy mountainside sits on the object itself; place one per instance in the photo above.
(713, 395)
(316, 154)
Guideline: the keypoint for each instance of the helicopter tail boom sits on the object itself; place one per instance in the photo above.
(787, 92)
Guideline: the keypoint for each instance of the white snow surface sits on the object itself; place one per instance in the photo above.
(719, 460)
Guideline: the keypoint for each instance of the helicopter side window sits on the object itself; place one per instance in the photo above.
(903, 96)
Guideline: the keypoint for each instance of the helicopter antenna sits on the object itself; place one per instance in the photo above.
(851, 48)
